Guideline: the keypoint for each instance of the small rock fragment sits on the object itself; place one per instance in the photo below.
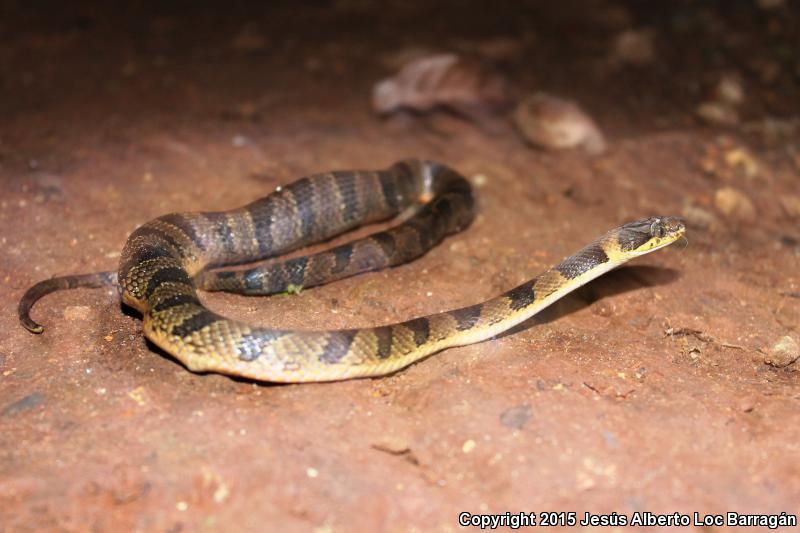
(742, 159)
(791, 205)
(735, 204)
(139, 395)
(238, 141)
(634, 47)
(729, 90)
(604, 309)
(783, 353)
(479, 180)
(221, 493)
(554, 123)
(446, 80)
(717, 113)
(516, 417)
(726, 95)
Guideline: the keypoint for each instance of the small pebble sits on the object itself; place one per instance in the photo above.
(221, 493)
(739, 158)
(479, 180)
(603, 309)
(717, 113)
(783, 353)
(734, 204)
(729, 90)
(138, 395)
(516, 417)
(554, 123)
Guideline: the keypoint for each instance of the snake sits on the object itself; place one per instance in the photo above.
(165, 262)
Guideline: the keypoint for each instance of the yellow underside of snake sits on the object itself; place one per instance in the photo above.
(166, 260)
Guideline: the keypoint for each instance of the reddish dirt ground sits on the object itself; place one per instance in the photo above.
(648, 390)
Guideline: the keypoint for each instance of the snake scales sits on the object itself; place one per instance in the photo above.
(167, 259)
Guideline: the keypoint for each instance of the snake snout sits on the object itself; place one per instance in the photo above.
(667, 227)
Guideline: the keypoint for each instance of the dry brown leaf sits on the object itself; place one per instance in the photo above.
(441, 80)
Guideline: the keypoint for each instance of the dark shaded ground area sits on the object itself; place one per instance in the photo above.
(646, 391)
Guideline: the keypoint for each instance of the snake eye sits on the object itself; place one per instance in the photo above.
(657, 230)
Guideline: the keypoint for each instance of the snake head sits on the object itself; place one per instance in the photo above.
(646, 235)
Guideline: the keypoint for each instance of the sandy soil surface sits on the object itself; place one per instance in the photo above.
(648, 390)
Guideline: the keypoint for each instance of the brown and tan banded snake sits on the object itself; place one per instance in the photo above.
(166, 260)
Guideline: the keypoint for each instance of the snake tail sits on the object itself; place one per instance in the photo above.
(95, 280)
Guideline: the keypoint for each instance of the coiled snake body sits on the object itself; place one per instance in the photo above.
(166, 260)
